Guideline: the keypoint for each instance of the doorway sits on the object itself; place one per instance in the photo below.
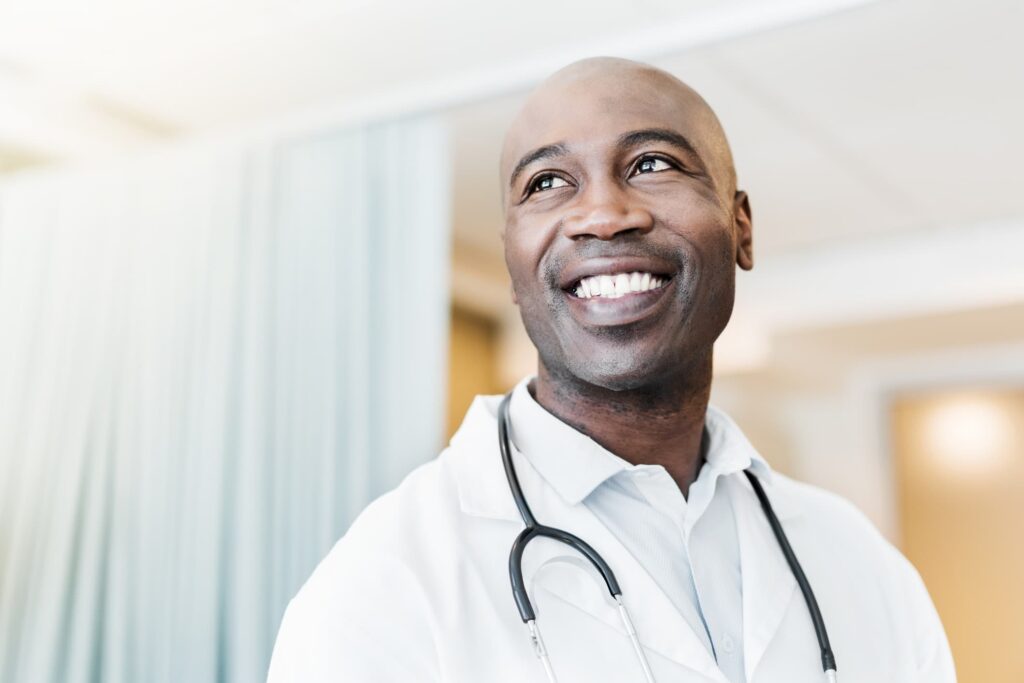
(959, 461)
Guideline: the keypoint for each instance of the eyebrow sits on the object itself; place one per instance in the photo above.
(545, 152)
(641, 137)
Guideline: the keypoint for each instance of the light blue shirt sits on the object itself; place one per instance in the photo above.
(689, 547)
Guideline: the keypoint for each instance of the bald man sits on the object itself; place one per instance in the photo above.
(603, 522)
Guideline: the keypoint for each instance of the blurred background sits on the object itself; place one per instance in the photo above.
(251, 275)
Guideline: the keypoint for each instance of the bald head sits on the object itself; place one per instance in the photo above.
(578, 97)
(623, 226)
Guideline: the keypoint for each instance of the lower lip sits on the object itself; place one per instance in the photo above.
(627, 309)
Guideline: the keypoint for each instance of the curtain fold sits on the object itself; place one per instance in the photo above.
(210, 361)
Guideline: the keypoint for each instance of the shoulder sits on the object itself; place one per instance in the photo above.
(397, 530)
(834, 534)
(822, 505)
(854, 555)
(343, 620)
(828, 516)
(415, 525)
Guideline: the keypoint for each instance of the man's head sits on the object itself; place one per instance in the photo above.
(614, 168)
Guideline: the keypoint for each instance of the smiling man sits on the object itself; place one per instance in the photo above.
(604, 502)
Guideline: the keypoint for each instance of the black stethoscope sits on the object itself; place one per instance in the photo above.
(534, 530)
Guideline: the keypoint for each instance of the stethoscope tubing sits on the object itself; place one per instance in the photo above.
(534, 530)
(828, 660)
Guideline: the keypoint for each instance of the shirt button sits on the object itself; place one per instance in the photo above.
(728, 644)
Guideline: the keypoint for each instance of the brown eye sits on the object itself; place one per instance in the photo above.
(652, 165)
(547, 182)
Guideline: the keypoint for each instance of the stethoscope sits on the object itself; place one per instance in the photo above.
(534, 530)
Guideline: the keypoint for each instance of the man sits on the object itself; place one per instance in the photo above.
(623, 229)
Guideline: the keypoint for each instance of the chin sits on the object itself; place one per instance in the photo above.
(618, 372)
(620, 367)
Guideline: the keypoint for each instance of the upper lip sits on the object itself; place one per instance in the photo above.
(606, 265)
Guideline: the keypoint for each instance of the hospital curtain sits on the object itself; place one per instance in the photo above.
(210, 360)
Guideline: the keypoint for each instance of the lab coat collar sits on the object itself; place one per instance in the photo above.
(575, 465)
(572, 462)
(579, 464)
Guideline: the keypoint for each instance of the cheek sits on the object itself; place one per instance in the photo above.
(721, 252)
(707, 230)
(517, 260)
(698, 205)
(718, 287)
(525, 246)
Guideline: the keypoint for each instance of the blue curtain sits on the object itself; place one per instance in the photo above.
(210, 360)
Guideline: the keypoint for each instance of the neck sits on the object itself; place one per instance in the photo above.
(660, 424)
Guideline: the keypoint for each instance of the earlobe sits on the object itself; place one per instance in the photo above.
(743, 224)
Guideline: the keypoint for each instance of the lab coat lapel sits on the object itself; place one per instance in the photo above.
(768, 583)
(558, 570)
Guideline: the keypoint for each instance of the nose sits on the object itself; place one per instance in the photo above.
(604, 210)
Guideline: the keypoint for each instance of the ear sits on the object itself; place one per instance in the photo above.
(743, 223)
(512, 289)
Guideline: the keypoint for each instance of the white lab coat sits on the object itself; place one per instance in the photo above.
(418, 590)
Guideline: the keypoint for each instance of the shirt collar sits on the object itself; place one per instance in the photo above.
(574, 464)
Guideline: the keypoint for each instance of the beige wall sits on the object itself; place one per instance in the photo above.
(959, 459)
(472, 363)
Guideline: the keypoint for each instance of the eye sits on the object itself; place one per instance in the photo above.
(546, 182)
(652, 165)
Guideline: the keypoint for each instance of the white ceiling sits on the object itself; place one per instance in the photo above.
(193, 64)
(82, 82)
(886, 116)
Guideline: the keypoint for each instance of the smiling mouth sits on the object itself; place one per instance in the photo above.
(617, 285)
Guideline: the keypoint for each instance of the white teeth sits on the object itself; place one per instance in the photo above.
(614, 286)
(621, 284)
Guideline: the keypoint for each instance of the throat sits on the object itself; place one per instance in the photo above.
(641, 427)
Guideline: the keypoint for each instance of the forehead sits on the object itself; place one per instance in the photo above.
(594, 111)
